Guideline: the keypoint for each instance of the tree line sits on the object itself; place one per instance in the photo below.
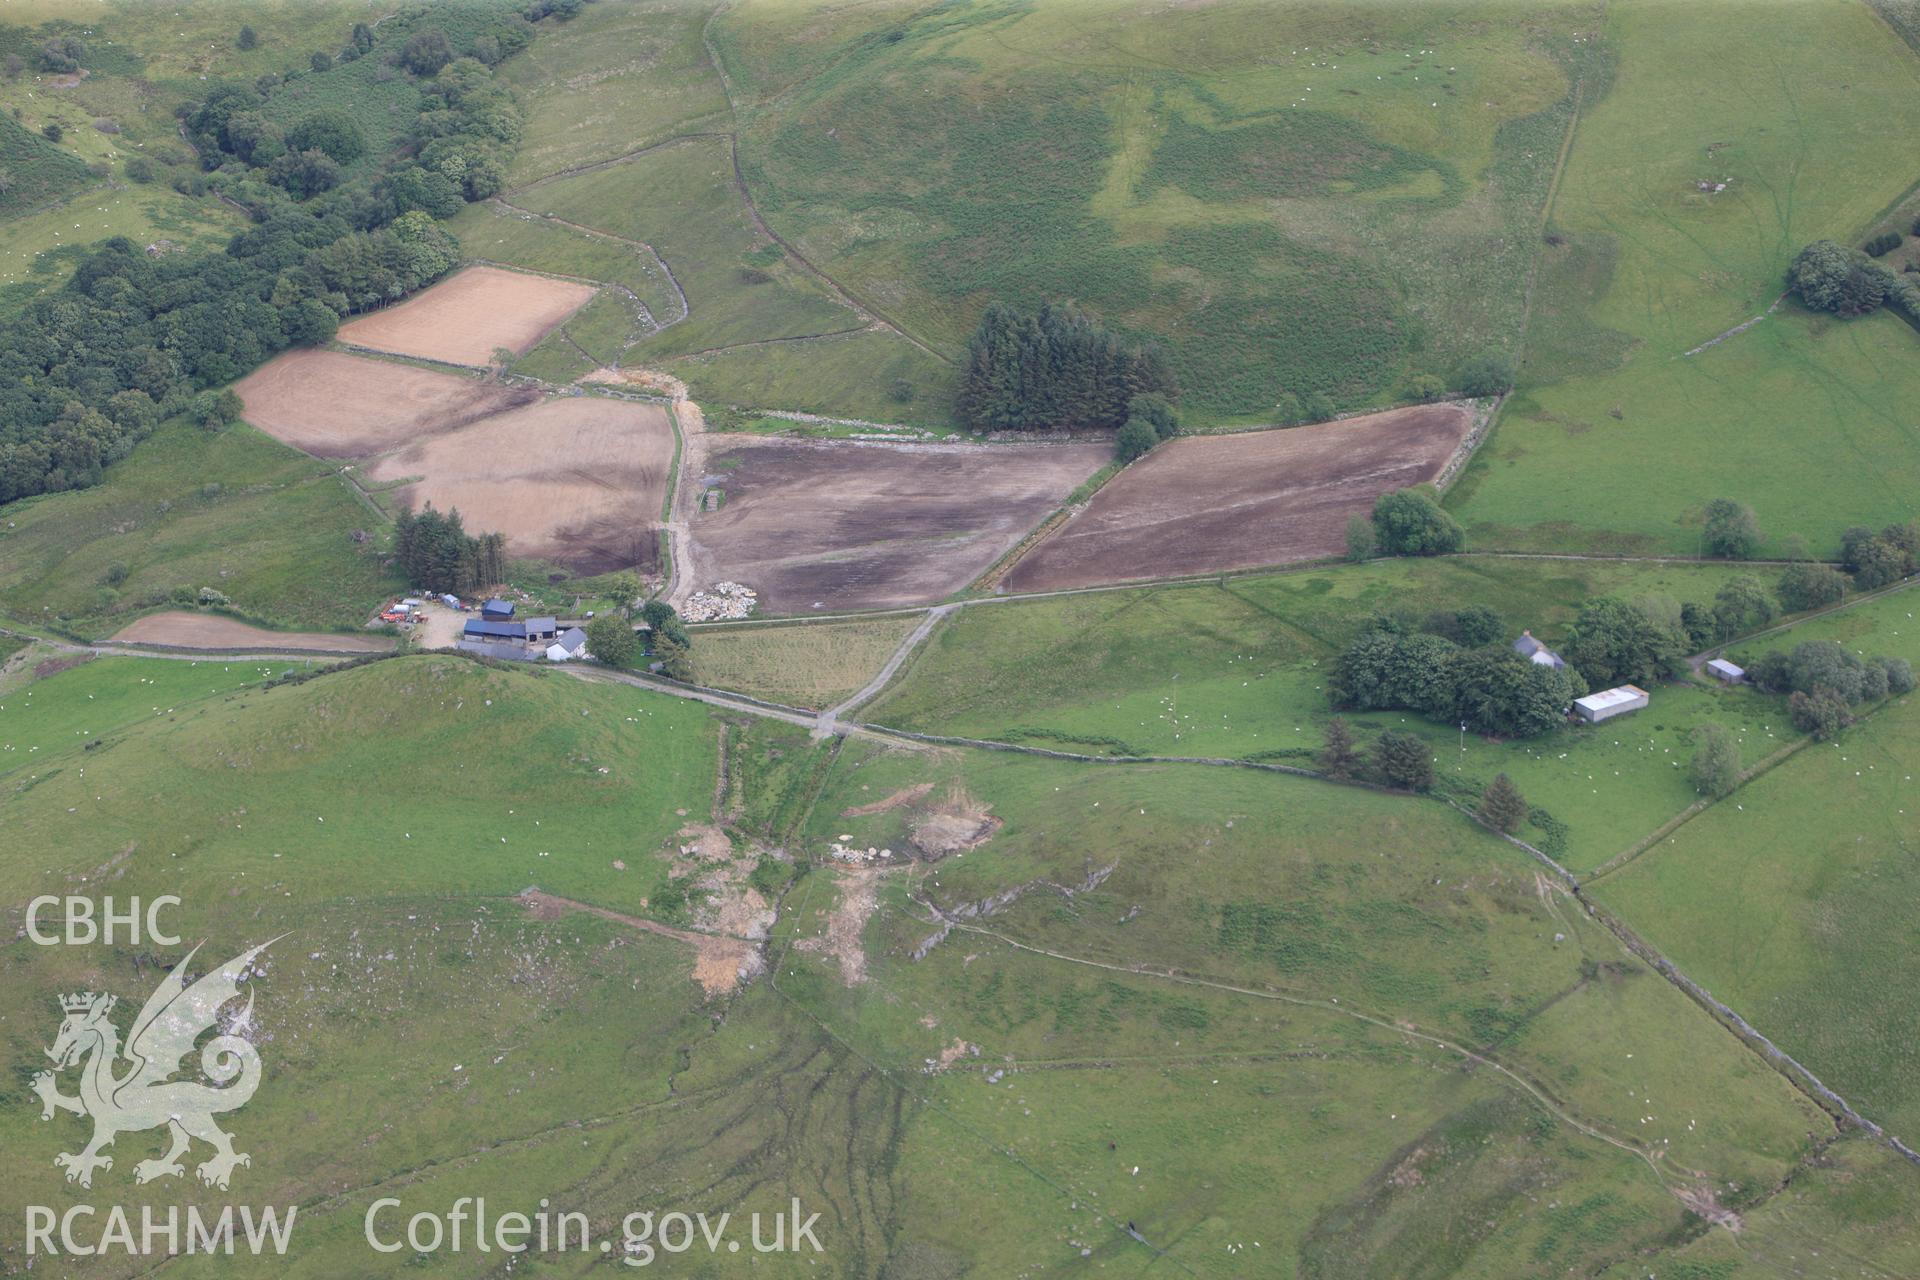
(88, 371)
(1848, 282)
(1056, 369)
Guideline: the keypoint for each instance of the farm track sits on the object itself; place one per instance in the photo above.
(825, 726)
(1728, 1018)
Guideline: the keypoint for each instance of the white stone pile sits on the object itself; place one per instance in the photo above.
(725, 600)
(840, 851)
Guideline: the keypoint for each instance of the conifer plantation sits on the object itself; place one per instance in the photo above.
(436, 552)
(1055, 369)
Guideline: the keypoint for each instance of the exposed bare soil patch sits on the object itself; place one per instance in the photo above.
(465, 317)
(858, 895)
(577, 480)
(898, 800)
(212, 631)
(720, 964)
(847, 524)
(954, 823)
(725, 901)
(1212, 503)
(342, 406)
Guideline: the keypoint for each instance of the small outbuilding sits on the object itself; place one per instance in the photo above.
(547, 629)
(497, 610)
(1722, 670)
(1532, 650)
(1609, 703)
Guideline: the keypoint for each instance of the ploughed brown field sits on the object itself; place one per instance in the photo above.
(212, 631)
(577, 480)
(847, 525)
(342, 406)
(467, 316)
(1207, 504)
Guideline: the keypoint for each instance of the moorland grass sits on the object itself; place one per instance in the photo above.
(960, 158)
(610, 81)
(681, 200)
(40, 172)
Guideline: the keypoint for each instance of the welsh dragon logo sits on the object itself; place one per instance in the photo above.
(145, 1096)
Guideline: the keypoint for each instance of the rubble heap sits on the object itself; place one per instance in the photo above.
(725, 600)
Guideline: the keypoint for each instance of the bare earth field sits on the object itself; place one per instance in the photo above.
(851, 525)
(465, 317)
(579, 480)
(211, 631)
(341, 406)
(1213, 503)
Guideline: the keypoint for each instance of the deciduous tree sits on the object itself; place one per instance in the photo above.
(612, 641)
(1716, 760)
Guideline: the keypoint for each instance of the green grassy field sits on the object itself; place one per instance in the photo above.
(1781, 901)
(1777, 899)
(595, 778)
(105, 697)
(1168, 1018)
(1338, 926)
(858, 375)
(1620, 439)
(1238, 672)
(1802, 419)
(236, 511)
